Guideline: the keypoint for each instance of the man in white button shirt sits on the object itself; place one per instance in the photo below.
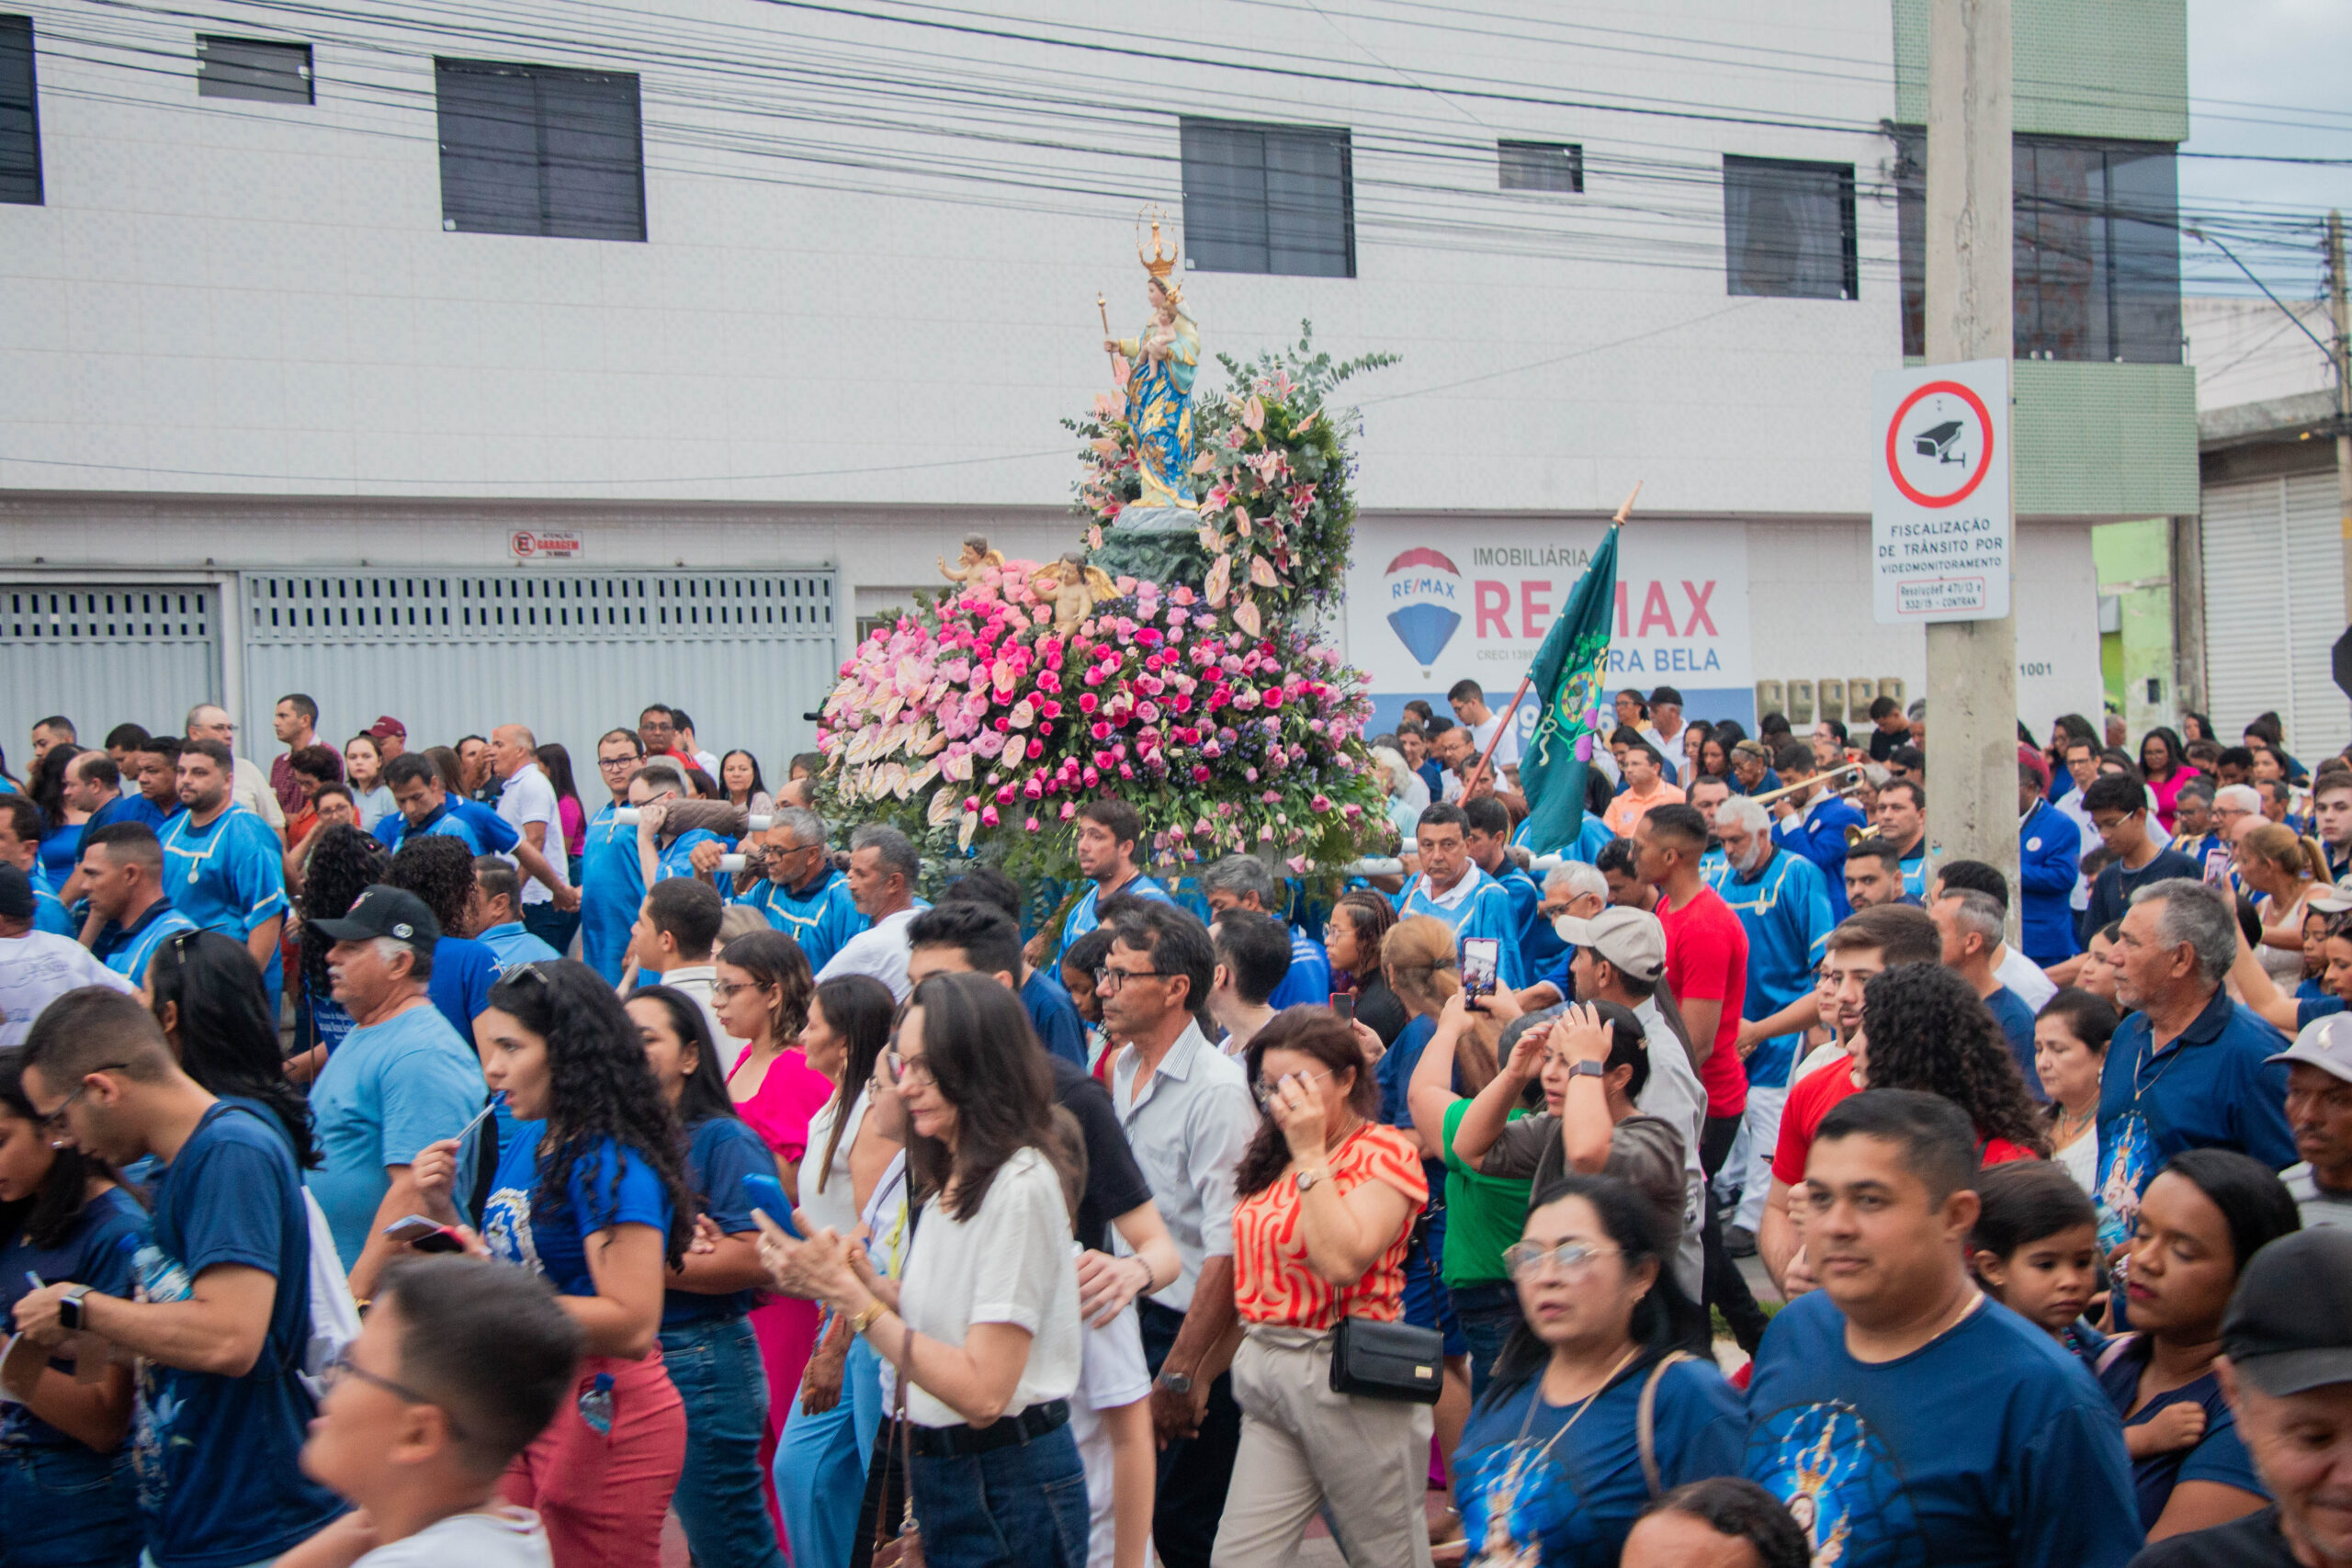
(883, 866)
(1189, 1115)
(527, 800)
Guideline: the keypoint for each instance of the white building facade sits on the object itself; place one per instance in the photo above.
(503, 361)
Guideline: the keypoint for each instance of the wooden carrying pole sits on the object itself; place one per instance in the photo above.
(1529, 679)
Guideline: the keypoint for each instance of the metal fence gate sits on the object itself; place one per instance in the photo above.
(573, 654)
(102, 654)
(2274, 607)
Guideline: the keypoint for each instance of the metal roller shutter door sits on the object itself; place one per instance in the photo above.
(2274, 607)
(105, 653)
(571, 654)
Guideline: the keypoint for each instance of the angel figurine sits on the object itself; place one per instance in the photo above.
(1073, 588)
(973, 563)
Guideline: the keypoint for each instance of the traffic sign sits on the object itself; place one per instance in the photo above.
(1939, 512)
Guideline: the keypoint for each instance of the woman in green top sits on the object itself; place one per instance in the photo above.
(1482, 1213)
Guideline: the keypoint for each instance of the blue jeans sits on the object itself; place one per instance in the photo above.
(715, 1366)
(821, 1465)
(68, 1507)
(1023, 1506)
(1486, 1312)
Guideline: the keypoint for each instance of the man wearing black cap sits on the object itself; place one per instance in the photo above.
(399, 1081)
(2286, 1368)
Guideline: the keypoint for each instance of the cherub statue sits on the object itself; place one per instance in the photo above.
(976, 560)
(1073, 588)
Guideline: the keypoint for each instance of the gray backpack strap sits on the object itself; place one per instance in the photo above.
(1645, 1418)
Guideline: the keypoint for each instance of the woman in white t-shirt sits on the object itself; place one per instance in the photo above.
(2069, 1052)
(990, 1337)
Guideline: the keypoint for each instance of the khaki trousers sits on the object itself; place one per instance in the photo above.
(1303, 1446)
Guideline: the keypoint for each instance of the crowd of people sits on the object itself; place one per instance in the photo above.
(405, 1161)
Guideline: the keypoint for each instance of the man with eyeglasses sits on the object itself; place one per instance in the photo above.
(789, 878)
(460, 1362)
(221, 1322)
(38, 966)
(612, 884)
(1188, 1115)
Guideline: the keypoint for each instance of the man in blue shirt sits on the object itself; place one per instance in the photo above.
(2187, 1068)
(1452, 888)
(1779, 897)
(661, 855)
(1969, 923)
(401, 1080)
(427, 808)
(1108, 831)
(222, 1321)
(1487, 841)
(984, 940)
(1900, 1415)
(493, 919)
(2118, 804)
(2049, 865)
(799, 890)
(1902, 820)
(122, 874)
(612, 885)
(1813, 823)
(20, 847)
(1242, 882)
(223, 866)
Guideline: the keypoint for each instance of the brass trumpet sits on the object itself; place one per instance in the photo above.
(1846, 788)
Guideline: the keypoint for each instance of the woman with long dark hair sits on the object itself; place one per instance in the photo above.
(2203, 1217)
(2164, 762)
(1927, 1031)
(1353, 937)
(830, 1424)
(1553, 1468)
(1321, 1228)
(206, 991)
(61, 823)
(739, 777)
(708, 1345)
(599, 1203)
(556, 762)
(989, 1336)
(66, 1487)
(2070, 1038)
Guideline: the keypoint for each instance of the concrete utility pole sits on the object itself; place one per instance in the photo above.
(1971, 665)
(2343, 357)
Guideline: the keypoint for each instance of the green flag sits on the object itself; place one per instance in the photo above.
(1570, 676)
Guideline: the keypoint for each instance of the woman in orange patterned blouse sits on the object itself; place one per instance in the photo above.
(1328, 1200)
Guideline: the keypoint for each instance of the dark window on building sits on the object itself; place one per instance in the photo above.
(1275, 198)
(20, 116)
(253, 68)
(2096, 268)
(1789, 229)
(533, 150)
(1541, 166)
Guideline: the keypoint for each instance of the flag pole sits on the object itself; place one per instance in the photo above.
(1529, 679)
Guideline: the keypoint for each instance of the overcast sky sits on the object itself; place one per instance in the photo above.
(2269, 76)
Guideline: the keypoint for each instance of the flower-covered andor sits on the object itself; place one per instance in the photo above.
(1211, 708)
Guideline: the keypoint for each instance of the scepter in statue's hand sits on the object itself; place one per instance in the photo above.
(1109, 343)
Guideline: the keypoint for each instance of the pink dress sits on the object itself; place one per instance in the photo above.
(778, 1111)
(2168, 794)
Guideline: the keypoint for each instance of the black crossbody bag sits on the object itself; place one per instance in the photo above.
(1397, 1361)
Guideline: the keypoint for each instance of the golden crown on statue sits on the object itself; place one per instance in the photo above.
(1160, 260)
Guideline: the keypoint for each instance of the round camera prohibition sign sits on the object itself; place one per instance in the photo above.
(1912, 492)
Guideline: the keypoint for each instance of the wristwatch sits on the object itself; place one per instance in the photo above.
(1587, 1070)
(69, 1307)
(1176, 1383)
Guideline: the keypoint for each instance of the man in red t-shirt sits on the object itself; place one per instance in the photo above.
(1863, 946)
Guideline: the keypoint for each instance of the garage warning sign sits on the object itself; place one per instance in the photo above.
(1940, 515)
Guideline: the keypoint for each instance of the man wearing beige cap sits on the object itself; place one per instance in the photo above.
(2286, 1369)
(2319, 1113)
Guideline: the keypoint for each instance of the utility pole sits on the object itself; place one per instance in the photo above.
(1971, 665)
(2343, 357)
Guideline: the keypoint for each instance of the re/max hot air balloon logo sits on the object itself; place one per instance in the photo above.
(1423, 592)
